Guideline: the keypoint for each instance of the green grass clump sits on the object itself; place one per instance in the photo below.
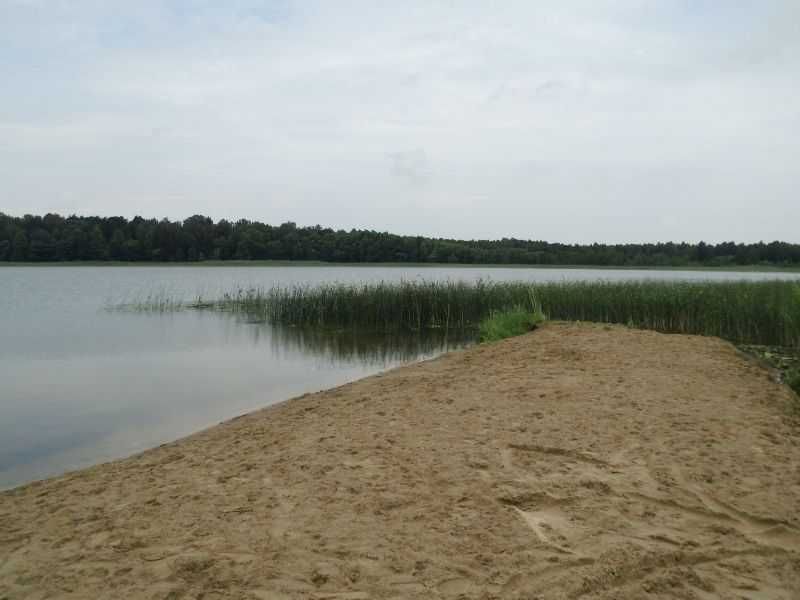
(504, 324)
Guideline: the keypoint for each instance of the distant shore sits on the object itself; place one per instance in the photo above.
(583, 461)
(311, 263)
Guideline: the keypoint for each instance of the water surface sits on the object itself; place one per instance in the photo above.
(80, 384)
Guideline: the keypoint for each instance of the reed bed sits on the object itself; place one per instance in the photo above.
(763, 312)
(766, 312)
(382, 306)
(745, 312)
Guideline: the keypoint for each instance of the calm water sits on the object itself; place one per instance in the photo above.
(80, 384)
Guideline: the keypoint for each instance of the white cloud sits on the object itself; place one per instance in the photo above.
(579, 121)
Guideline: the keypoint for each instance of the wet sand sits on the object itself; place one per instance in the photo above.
(579, 461)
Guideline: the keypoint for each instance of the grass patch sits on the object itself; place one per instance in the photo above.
(504, 324)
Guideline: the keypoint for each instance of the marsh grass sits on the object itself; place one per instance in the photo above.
(749, 312)
(382, 306)
(764, 312)
(155, 302)
(752, 312)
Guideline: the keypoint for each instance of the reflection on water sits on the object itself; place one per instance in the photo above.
(366, 348)
(163, 376)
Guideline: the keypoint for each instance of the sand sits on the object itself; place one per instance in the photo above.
(578, 461)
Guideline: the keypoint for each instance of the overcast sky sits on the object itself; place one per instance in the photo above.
(574, 121)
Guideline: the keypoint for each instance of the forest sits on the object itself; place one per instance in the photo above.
(54, 238)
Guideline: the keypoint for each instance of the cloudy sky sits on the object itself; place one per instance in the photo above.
(575, 121)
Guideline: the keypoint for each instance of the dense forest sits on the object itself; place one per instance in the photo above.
(55, 238)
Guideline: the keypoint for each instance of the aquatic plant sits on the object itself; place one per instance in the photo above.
(160, 301)
(750, 312)
(763, 312)
(412, 305)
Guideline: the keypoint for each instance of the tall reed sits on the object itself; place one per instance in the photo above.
(766, 312)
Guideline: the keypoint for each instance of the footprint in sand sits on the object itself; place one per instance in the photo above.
(546, 517)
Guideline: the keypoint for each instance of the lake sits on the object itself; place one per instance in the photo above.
(80, 384)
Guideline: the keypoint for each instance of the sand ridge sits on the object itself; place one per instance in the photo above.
(579, 461)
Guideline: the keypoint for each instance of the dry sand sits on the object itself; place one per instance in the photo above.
(575, 462)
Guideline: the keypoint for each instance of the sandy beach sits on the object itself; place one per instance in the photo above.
(578, 461)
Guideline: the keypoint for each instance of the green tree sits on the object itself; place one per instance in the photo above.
(19, 247)
(42, 246)
(117, 246)
(96, 248)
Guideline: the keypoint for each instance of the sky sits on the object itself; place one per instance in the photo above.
(574, 121)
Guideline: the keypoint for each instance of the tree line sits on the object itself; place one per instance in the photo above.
(52, 237)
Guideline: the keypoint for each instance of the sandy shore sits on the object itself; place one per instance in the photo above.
(578, 461)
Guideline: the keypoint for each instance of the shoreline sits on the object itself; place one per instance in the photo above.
(400, 265)
(213, 425)
(576, 461)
